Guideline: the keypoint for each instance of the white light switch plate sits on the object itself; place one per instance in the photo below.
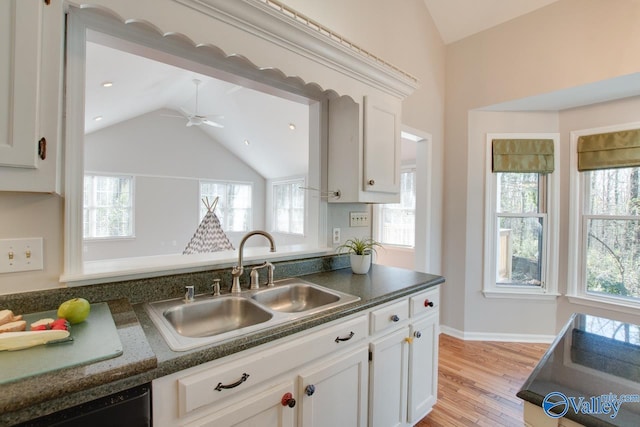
(21, 255)
(359, 219)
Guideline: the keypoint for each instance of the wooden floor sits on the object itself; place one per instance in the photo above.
(478, 382)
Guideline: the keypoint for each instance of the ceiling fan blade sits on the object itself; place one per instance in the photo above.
(172, 115)
(186, 112)
(212, 123)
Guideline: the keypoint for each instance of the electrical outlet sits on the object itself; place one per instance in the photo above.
(336, 235)
(359, 219)
(20, 255)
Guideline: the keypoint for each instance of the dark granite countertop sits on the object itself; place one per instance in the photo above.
(146, 355)
(593, 362)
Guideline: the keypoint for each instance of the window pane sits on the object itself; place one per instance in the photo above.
(614, 192)
(519, 250)
(234, 203)
(398, 219)
(518, 192)
(613, 257)
(107, 205)
(288, 207)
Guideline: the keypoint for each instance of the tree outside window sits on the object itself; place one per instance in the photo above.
(611, 232)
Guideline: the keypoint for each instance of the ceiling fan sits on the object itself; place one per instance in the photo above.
(195, 119)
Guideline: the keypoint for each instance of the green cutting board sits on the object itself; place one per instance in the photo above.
(94, 340)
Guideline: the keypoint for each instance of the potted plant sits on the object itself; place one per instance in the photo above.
(360, 251)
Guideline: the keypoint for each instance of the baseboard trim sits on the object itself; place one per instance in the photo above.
(490, 336)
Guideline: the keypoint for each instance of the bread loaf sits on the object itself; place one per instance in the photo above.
(17, 326)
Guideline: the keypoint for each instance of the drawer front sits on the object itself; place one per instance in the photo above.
(425, 302)
(211, 386)
(389, 316)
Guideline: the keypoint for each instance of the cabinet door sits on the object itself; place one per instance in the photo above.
(31, 46)
(423, 367)
(381, 145)
(20, 44)
(388, 379)
(334, 392)
(267, 408)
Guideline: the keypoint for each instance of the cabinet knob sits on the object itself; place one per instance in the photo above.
(288, 400)
(417, 334)
(428, 303)
(409, 340)
(309, 390)
(395, 318)
(371, 182)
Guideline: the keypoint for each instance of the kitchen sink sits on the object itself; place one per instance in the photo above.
(213, 319)
(215, 316)
(295, 297)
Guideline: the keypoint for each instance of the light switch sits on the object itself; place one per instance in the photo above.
(359, 219)
(21, 255)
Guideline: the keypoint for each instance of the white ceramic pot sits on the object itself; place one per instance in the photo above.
(360, 263)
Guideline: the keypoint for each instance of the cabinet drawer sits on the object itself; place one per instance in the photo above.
(390, 315)
(425, 302)
(211, 386)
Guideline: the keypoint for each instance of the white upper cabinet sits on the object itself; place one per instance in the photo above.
(364, 150)
(30, 86)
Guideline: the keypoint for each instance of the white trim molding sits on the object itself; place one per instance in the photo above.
(496, 336)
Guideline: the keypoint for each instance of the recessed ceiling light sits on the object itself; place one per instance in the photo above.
(246, 142)
(97, 118)
(292, 126)
(107, 84)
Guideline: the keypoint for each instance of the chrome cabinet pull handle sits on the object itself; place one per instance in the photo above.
(221, 386)
(338, 339)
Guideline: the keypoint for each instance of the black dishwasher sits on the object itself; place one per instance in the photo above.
(129, 408)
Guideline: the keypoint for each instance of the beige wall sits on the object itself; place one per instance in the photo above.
(567, 44)
(404, 36)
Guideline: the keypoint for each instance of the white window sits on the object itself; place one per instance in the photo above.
(397, 221)
(520, 227)
(605, 241)
(234, 203)
(288, 206)
(107, 206)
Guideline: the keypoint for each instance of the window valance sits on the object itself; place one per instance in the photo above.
(609, 150)
(522, 155)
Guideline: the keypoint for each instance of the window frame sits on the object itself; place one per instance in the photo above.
(132, 184)
(549, 269)
(273, 219)
(576, 283)
(225, 214)
(379, 214)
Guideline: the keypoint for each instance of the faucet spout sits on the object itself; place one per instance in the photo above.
(237, 271)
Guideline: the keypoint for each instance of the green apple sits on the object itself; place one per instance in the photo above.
(74, 310)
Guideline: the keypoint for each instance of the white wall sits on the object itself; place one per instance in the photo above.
(167, 159)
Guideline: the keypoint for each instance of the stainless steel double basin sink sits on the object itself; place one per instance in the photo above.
(211, 319)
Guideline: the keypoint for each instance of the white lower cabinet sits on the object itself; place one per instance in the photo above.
(404, 363)
(334, 392)
(378, 368)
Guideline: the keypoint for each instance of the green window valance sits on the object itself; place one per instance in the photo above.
(522, 155)
(609, 150)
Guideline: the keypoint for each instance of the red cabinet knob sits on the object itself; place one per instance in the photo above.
(428, 303)
(288, 400)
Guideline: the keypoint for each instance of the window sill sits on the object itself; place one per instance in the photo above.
(520, 294)
(605, 303)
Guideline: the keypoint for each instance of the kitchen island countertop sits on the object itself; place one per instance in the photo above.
(590, 374)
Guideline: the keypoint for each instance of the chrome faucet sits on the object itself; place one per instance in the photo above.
(237, 271)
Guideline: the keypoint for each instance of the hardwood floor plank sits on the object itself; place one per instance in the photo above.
(478, 382)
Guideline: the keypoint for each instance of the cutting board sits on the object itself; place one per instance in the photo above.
(94, 340)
